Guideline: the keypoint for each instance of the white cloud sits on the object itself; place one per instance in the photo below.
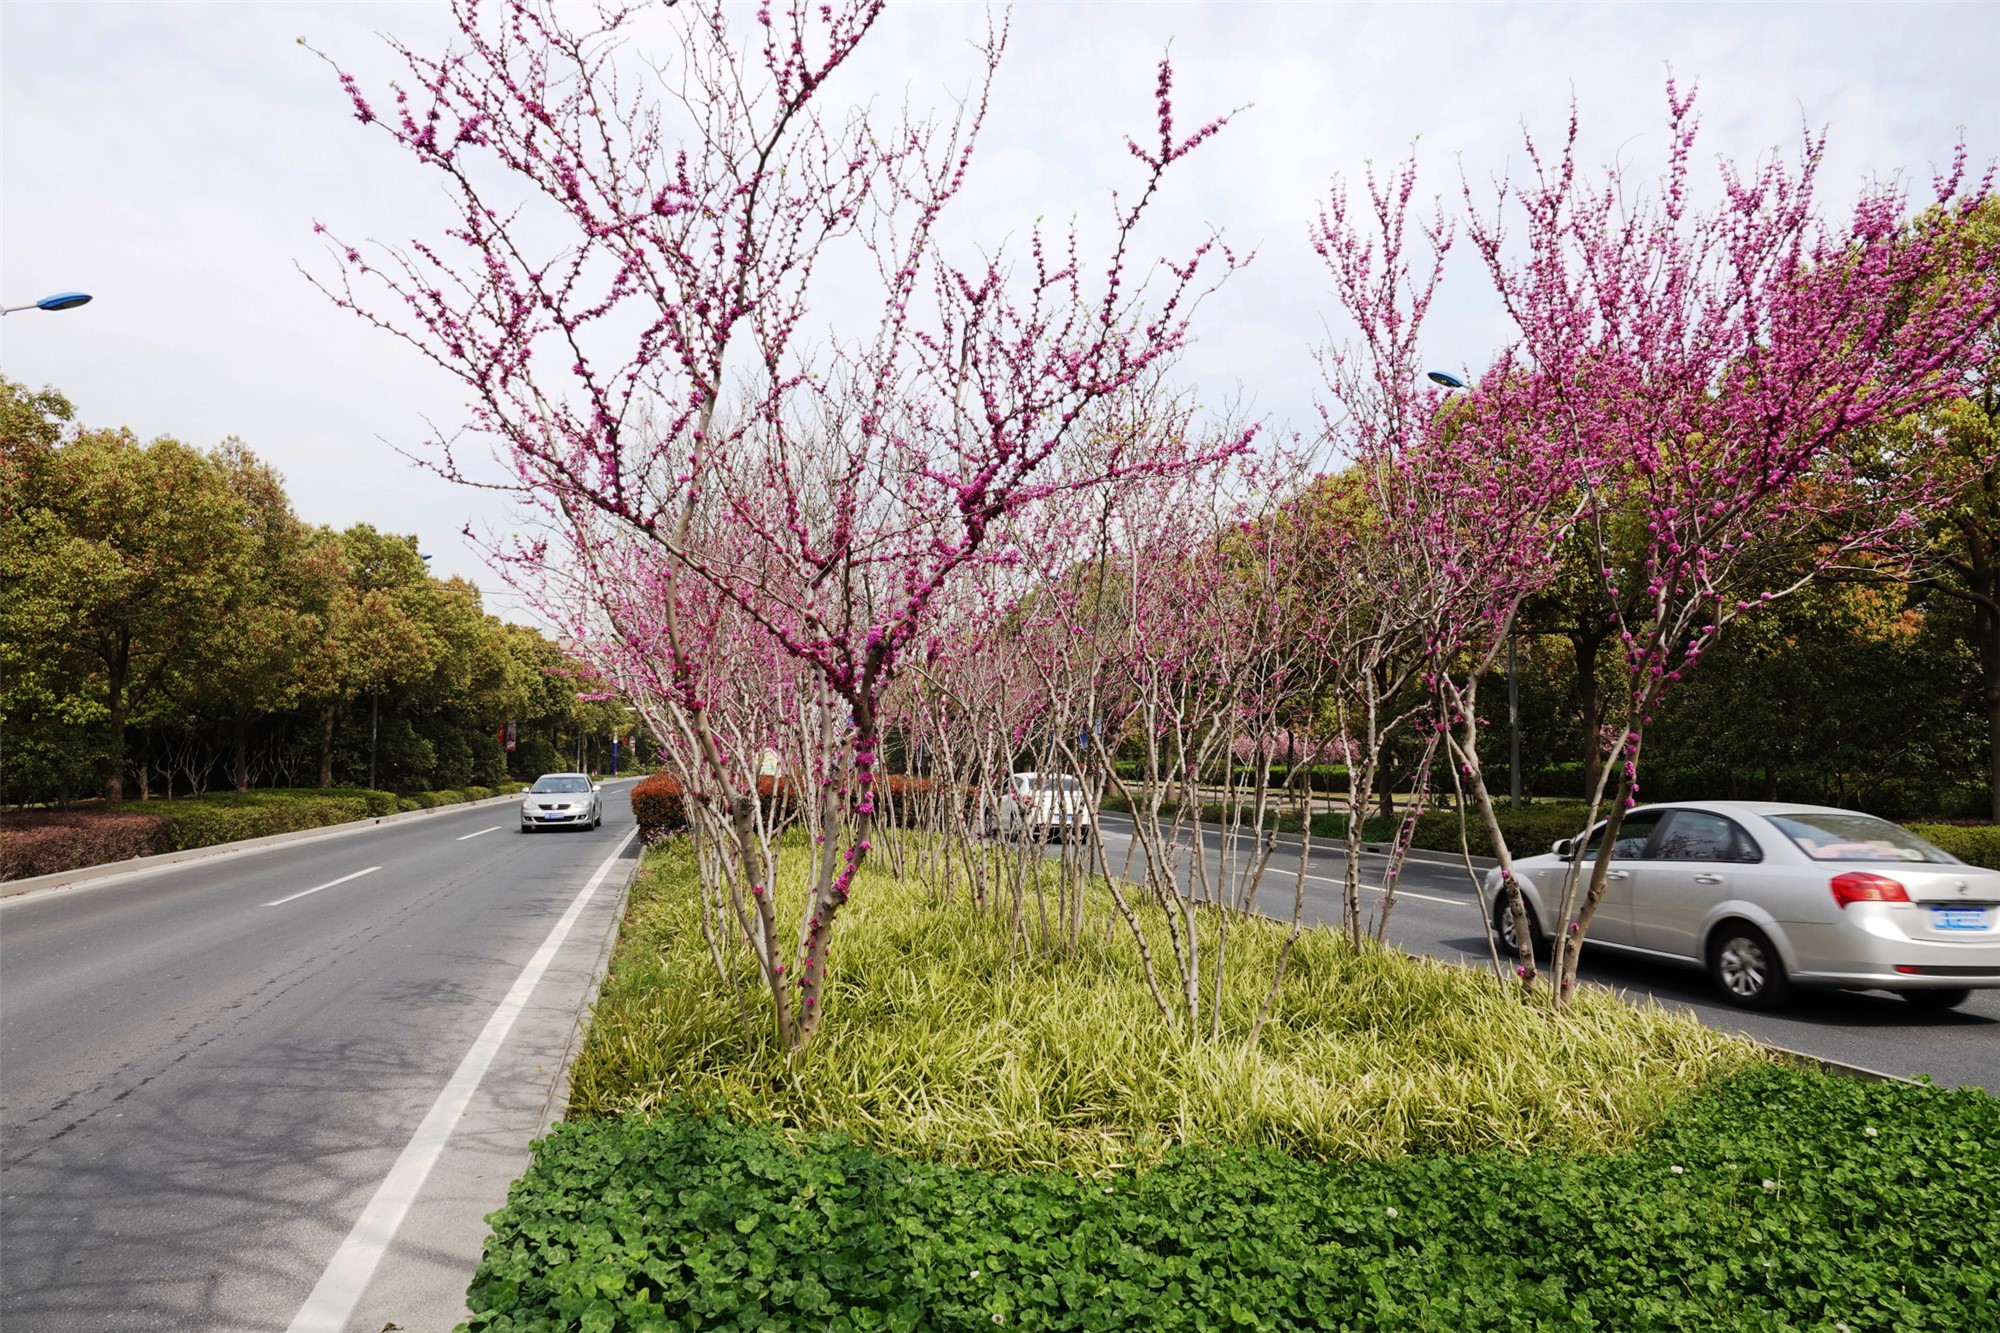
(172, 158)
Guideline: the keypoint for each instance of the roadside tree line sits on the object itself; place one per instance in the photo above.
(169, 625)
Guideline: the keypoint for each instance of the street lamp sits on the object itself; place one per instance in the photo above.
(1448, 380)
(60, 301)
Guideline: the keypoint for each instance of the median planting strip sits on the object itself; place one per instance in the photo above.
(986, 1137)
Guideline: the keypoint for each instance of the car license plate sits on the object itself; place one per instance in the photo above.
(1958, 918)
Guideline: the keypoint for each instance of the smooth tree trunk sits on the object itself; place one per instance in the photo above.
(1989, 653)
(833, 886)
(326, 746)
(1568, 944)
(239, 753)
(1590, 703)
(116, 698)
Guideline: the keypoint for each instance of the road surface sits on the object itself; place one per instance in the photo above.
(207, 1072)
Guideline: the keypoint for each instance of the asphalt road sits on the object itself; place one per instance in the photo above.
(1436, 914)
(205, 1073)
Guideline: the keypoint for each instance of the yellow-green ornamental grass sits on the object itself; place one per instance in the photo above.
(940, 1041)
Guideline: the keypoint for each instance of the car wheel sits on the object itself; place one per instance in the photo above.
(1937, 1001)
(527, 828)
(1746, 967)
(1503, 929)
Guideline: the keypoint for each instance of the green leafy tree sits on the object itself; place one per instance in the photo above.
(118, 561)
(1846, 694)
(252, 670)
(369, 631)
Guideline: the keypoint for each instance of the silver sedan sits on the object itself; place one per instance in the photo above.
(1768, 896)
(561, 800)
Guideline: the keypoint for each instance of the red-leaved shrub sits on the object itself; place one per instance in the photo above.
(659, 806)
(45, 842)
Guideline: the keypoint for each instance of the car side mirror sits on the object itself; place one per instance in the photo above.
(1562, 848)
(597, 786)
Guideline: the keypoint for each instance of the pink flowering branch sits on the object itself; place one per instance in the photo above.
(628, 299)
(1711, 372)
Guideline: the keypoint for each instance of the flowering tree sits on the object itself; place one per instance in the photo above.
(1409, 557)
(626, 297)
(1709, 372)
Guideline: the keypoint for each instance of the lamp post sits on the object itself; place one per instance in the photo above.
(60, 301)
(1446, 380)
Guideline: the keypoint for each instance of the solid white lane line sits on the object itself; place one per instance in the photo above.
(329, 884)
(474, 835)
(1400, 893)
(333, 1298)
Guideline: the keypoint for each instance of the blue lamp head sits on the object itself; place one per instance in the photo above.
(1445, 378)
(63, 301)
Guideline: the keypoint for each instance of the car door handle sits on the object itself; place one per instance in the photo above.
(1616, 874)
(1708, 879)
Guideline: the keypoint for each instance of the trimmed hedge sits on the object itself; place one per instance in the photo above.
(205, 823)
(659, 806)
(1778, 1199)
(1975, 844)
(1529, 830)
(659, 803)
(40, 843)
(431, 800)
(1532, 829)
(46, 843)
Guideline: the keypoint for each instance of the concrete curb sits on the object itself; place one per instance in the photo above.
(1840, 1068)
(556, 1104)
(138, 866)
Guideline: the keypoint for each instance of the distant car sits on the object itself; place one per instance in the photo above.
(1768, 896)
(561, 800)
(1041, 804)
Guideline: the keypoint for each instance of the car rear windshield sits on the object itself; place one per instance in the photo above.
(546, 784)
(1844, 837)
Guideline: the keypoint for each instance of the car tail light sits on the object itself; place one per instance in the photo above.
(1865, 886)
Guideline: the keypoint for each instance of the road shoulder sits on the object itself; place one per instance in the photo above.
(422, 1280)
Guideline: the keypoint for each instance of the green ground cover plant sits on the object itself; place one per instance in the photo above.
(946, 1038)
(1775, 1199)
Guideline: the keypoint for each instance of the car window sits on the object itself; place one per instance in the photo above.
(1699, 835)
(545, 785)
(1632, 834)
(1840, 835)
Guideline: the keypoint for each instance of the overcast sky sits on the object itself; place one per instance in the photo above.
(172, 158)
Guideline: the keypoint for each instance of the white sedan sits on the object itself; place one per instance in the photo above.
(1768, 895)
(561, 800)
(1042, 805)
